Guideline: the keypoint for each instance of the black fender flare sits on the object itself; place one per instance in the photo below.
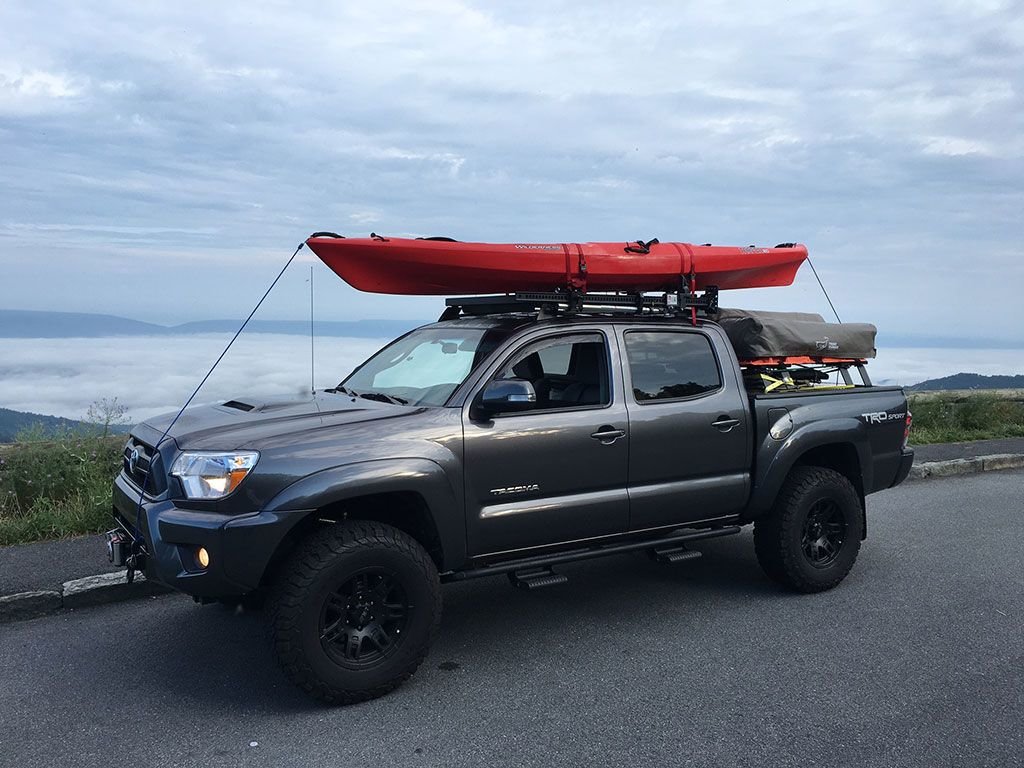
(420, 476)
(775, 459)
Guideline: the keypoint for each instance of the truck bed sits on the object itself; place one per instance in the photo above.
(871, 420)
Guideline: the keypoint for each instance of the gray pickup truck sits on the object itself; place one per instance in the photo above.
(495, 442)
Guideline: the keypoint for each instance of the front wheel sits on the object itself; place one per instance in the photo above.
(354, 611)
(810, 539)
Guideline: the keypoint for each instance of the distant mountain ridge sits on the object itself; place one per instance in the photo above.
(34, 324)
(30, 324)
(13, 422)
(969, 381)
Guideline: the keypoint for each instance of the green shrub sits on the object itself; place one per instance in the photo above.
(53, 486)
(948, 418)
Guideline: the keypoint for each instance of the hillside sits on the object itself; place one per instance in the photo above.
(969, 381)
(26, 324)
(13, 422)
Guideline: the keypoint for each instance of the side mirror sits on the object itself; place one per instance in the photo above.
(507, 396)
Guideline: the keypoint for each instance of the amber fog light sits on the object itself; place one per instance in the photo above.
(203, 557)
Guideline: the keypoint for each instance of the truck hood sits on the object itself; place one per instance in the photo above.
(247, 422)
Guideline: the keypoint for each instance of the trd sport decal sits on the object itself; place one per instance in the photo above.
(880, 417)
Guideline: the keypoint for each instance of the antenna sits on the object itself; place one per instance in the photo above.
(312, 350)
(137, 539)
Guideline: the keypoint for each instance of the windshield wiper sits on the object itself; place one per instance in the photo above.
(380, 397)
(341, 391)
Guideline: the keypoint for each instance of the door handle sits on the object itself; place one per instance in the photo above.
(725, 423)
(608, 434)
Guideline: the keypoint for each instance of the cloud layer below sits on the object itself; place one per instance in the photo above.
(151, 375)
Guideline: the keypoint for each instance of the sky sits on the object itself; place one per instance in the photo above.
(161, 161)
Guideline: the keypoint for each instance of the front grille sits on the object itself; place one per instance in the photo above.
(146, 467)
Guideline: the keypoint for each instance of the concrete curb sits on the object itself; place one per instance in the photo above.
(953, 467)
(79, 593)
(112, 587)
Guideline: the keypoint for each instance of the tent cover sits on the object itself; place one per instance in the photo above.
(758, 335)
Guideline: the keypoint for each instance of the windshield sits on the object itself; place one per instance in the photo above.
(424, 367)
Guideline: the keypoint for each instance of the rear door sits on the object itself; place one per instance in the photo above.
(557, 472)
(688, 425)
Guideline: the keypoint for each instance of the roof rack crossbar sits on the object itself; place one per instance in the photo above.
(578, 301)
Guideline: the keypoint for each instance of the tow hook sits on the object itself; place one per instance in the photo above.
(123, 551)
(119, 547)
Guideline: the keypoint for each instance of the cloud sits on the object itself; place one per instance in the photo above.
(152, 375)
(163, 159)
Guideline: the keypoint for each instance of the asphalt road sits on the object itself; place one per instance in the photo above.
(917, 659)
(48, 564)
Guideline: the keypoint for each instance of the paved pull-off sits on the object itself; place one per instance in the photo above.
(915, 660)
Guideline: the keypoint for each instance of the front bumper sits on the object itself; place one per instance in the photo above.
(240, 546)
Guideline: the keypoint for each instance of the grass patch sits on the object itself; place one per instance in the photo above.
(955, 417)
(55, 486)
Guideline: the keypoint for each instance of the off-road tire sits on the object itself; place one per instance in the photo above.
(779, 536)
(318, 567)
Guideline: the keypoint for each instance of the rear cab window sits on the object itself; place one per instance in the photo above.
(671, 365)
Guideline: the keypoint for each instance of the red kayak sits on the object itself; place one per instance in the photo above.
(446, 267)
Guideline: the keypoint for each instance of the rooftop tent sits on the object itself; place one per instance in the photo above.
(757, 335)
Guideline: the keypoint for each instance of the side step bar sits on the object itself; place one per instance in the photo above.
(535, 578)
(667, 544)
(673, 554)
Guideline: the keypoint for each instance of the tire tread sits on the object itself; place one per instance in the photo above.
(318, 552)
(773, 531)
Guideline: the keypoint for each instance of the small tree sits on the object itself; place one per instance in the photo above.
(106, 413)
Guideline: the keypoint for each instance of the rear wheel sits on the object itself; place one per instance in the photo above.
(810, 539)
(354, 611)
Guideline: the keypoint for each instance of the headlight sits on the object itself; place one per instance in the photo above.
(212, 475)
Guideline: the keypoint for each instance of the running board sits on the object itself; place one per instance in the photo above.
(663, 543)
(535, 578)
(673, 554)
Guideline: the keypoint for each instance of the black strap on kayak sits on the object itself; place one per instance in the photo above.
(641, 246)
(138, 542)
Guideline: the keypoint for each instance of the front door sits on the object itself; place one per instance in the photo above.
(689, 452)
(556, 472)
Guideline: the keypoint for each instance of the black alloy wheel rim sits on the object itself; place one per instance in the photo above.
(824, 533)
(364, 620)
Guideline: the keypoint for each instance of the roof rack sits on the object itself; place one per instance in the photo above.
(794, 373)
(573, 302)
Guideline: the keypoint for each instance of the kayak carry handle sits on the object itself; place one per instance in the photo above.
(335, 235)
(641, 246)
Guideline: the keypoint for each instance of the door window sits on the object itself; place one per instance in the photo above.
(667, 365)
(565, 371)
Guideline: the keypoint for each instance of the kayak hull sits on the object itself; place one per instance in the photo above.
(435, 267)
